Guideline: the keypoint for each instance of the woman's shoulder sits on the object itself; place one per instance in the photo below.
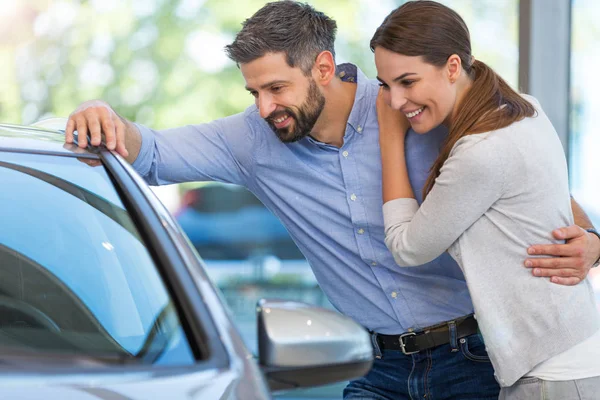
(481, 143)
(502, 137)
(534, 101)
(485, 151)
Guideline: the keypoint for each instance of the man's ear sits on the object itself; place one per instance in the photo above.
(324, 68)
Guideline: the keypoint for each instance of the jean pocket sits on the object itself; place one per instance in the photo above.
(473, 348)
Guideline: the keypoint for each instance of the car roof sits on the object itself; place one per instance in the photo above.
(38, 140)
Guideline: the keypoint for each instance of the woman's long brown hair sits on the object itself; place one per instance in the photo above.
(435, 32)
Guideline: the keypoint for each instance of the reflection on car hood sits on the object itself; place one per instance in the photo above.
(211, 384)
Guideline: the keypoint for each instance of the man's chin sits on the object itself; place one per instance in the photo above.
(288, 137)
(285, 136)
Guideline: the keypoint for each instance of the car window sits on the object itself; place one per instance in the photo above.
(75, 275)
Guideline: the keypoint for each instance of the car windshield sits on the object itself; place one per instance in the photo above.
(76, 277)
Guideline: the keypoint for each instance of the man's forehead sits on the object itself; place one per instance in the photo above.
(270, 67)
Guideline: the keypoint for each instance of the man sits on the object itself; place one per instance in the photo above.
(309, 151)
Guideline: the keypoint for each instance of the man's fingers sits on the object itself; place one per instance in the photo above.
(69, 130)
(108, 127)
(564, 250)
(568, 232)
(565, 281)
(560, 272)
(565, 276)
(81, 126)
(554, 262)
(94, 129)
(120, 129)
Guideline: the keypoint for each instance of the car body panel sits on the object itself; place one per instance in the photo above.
(207, 384)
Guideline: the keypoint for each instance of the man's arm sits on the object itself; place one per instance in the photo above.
(572, 261)
(221, 150)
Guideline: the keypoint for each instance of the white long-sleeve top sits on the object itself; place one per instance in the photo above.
(498, 193)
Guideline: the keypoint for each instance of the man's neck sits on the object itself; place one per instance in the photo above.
(331, 125)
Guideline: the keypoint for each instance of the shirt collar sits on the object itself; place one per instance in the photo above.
(358, 115)
(351, 73)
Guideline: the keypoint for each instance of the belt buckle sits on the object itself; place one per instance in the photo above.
(402, 345)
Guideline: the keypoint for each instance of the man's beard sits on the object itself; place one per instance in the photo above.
(303, 120)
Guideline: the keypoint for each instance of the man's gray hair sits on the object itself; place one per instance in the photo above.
(289, 27)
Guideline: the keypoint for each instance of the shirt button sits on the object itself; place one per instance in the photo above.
(394, 295)
(359, 129)
(374, 263)
(353, 197)
(345, 153)
(361, 231)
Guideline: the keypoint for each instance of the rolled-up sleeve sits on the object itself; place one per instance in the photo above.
(470, 182)
(220, 150)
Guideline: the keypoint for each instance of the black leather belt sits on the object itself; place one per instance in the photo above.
(427, 338)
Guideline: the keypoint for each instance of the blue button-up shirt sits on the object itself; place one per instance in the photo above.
(329, 199)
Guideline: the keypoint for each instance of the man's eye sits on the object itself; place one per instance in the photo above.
(276, 89)
(254, 94)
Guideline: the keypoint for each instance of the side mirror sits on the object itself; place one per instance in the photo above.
(300, 345)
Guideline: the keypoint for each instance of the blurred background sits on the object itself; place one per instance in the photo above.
(161, 63)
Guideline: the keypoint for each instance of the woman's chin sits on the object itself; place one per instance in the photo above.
(421, 128)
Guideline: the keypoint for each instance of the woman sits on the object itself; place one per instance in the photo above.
(495, 188)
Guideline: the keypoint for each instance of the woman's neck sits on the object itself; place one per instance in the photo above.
(464, 85)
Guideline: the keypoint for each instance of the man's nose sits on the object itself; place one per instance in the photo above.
(265, 105)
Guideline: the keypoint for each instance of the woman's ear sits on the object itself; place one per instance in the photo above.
(454, 68)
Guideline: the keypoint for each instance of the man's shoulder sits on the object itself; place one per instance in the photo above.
(246, 124)
(252, 118)
(257, 124)
(348, 72)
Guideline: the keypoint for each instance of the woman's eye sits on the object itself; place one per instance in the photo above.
(408, 83)
(384, 86)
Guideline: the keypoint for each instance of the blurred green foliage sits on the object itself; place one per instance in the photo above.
(161, 63)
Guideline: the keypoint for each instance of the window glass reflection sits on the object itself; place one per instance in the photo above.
(584, 140)
(75, 276)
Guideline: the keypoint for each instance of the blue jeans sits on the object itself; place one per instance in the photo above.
(460, 370)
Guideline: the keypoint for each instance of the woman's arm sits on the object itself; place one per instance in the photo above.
(392, 131)
(470, 181)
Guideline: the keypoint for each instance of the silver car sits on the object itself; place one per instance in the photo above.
(103, 297)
